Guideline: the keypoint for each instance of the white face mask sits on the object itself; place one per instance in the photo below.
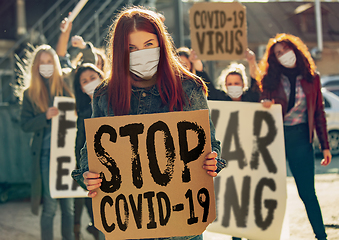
(144, 63)
(90, 87)
(46, 70)
(234, 91)
(288, 60)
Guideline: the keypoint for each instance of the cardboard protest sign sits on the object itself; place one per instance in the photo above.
(218, 30)
(62, 158)
(251, 190)
(153, 181)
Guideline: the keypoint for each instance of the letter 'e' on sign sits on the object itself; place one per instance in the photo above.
(153, 184)
(218, 30)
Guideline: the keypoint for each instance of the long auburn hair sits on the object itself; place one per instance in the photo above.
(170, 72)
(82, 100)
(270, 69)
(37, 90)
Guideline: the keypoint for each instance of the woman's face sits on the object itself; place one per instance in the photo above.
(86, 77)
(46, 58)
(234, 80)
(185, 62)
(281, 49)
(139, 40)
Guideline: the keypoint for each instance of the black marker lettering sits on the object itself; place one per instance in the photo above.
(270, 204)
(231, 201)
(192, 155)
(106, 160)
(63, 123)
(263, 142)
(133, 130)
(160, 178)
(62, 172)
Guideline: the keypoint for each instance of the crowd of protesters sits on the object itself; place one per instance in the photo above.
(138, 47)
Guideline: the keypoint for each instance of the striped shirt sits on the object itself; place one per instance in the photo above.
(298, 113)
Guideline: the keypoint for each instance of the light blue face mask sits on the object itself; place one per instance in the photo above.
(144, 63)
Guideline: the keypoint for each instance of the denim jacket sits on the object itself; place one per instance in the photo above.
(145, 102)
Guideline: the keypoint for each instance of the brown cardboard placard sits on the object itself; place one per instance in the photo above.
(155, 184)
(218, 30)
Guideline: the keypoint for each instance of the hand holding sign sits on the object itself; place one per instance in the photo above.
(51, 112)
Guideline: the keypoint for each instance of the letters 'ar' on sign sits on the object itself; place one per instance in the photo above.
(218, 30)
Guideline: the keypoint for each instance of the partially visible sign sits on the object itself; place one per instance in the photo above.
(251, 190)
(153, 181)
(62, 158)
(218, 30)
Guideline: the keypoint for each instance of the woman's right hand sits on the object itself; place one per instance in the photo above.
(65, 25)
(51, 112)
(267, 103)
(93, 182)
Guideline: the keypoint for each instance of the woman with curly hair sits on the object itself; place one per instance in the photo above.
(288, 77)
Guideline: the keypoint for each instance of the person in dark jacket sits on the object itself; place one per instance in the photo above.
(288, 77)
(189, 59)
(146, 78)
(86, 79)
(46, 82)
(234, 83)
(233, 80)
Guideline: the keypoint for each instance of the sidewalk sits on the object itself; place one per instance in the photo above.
(18, 223)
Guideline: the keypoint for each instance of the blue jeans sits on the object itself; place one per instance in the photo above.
(300, 157)
(49, 206)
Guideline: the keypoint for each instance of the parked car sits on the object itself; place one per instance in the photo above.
(331, 102)
(331, 83)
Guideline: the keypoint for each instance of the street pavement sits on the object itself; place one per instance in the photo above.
(18, 223)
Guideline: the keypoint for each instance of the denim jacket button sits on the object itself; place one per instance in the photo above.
(144, 94)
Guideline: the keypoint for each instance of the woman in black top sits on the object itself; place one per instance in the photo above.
(233, 80)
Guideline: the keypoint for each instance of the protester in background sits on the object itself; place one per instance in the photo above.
(234, 82)
(86, 54)
(288, 77)
(87, 78)
(146, 78)
(46, 82)
(189, 59)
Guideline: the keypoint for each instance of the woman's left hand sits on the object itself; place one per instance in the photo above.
(327, 157)
(210, 164)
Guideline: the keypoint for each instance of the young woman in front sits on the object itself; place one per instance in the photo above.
(146, 78)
